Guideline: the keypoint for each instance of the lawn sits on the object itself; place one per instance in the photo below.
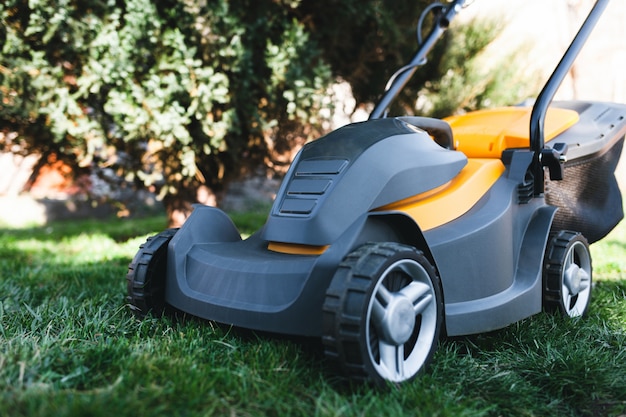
(70, 347)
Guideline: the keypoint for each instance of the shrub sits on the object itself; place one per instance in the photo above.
(181, 96)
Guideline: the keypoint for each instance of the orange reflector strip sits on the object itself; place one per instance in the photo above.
(296, 249)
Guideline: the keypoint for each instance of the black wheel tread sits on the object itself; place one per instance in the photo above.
(144, 284)
(342, 326)
(558, 244)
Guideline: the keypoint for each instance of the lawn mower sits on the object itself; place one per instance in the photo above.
(389, 233)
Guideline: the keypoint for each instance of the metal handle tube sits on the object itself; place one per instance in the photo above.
(540, 109)
(440, 26)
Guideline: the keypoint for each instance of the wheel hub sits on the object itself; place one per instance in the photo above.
(575, 279)
(399, 320)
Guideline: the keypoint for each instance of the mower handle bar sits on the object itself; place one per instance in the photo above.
(440, 25)
(551, 158)
(540, 108)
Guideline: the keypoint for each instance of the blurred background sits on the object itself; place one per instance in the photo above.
(132, 107)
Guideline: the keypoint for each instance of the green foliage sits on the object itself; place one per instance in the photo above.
(366, 41)
(70, 347)
(471, 78)
(171, 95)
(178, 94)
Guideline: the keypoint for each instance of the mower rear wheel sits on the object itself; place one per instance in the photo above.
(383, 313)
(145, 280)
(567, 274)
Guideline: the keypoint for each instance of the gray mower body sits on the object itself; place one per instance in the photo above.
(489, 260)
(389, 232)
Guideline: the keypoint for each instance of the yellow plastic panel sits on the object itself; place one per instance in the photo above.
(452, 200)
(486, 133)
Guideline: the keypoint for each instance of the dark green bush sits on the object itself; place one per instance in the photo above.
(178, 96)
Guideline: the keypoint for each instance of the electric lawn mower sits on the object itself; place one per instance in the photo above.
(386, 233)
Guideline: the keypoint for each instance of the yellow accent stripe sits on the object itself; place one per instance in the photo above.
(486, 133)
(452, 200)
(296, 249)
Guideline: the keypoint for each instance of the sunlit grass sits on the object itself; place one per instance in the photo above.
(608, 254)
(70, 347)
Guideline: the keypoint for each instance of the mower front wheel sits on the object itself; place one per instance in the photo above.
(145, 280)
(567, 274)
(383, 313)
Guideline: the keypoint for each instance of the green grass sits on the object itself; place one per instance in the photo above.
(70, 347)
